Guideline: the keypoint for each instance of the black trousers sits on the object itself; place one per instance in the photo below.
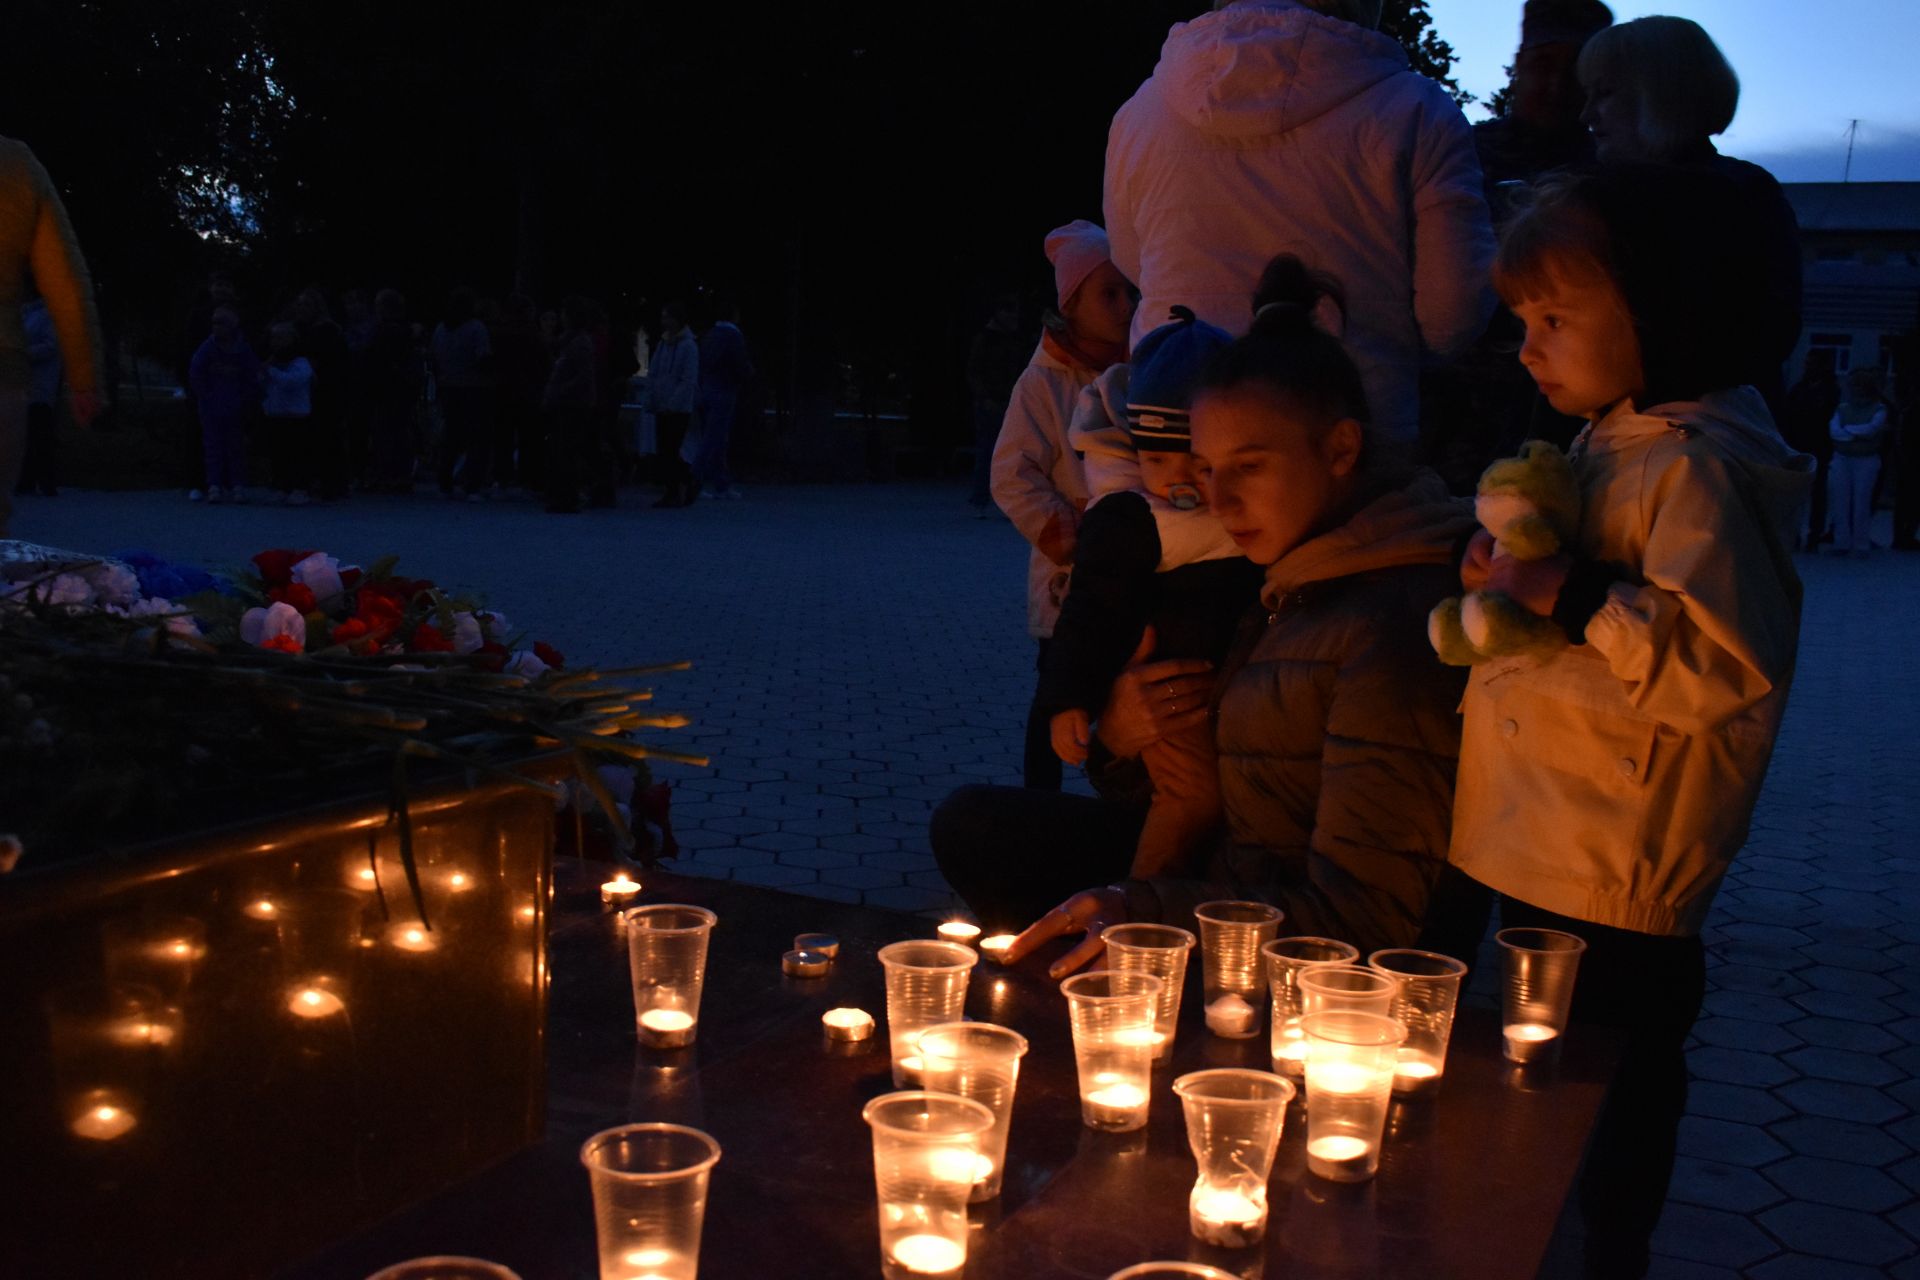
(290, 444)
(1041, 768)
(1014, 854)
(676, 477)
(1650, 990)
(567, 431)
(37, 469)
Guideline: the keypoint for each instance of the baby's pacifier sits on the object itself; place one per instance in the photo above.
(1184, 497)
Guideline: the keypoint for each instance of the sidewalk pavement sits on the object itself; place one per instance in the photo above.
(860, 651)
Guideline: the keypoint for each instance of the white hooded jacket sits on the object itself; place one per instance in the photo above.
(1268, 128)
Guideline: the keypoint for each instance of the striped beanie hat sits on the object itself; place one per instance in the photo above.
(1166, 367)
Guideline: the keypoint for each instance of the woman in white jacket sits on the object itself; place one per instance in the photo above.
(1037, 480)
(1288, 126)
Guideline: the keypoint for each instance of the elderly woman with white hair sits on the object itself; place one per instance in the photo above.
(1658, 91)
(1293, 126)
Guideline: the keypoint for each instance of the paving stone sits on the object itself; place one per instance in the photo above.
(832, 892)
(1837, 1183)
(1754, 1008)
(1743, 1103)
(818, 859)
(1804, 1266)
(860, 843)
(1711, 1236)
(1840, 1101)
(1738, 1066)
(1841, 1033)
(1843, 1064)
(858, 877)
(909, 899)
(1740, 1033)
(1837, 1140)
(1846, 1234)
(1729, 1142)
(1717, 1185)
(776, 876)
(781, 842)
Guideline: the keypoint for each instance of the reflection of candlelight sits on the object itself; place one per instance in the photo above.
(459, 882)
(181, 950)
(620, 891)
(996, 946)
(103, 1123)
(847, 1024)
(529, 912)
(413, 938)
(929, 1255)
(314, 1002)
(262, 909)
(958, 931)
(364, 878)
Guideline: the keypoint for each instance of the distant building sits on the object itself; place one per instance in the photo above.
(1861, 243)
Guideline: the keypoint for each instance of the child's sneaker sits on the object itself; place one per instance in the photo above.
(299, 498)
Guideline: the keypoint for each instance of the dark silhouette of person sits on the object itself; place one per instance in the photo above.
(1804, 417)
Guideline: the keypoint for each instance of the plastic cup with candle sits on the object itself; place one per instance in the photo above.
(667, 957)
(926, 985)
(1234, 1119)
(1428, 988)
(1346, 988)
(1286, 959)
(1112, 1013)
(1350, 1065)
(445, 1267)
(1171, 1271)
(981, 1061)
(649, 1199)
(1160, 950)
(926, 1163)
(1540, 968)
(620, 891)
(1231, 935)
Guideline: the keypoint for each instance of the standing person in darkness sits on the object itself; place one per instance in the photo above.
(462, 361)
(994, 363)
(673, 385)
(1808, 411)
(325, 346)
(726, 367)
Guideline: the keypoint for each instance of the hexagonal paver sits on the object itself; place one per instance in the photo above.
(1712, 1236)
(862, 878)
(775, 876)
(1843, 1064)
(1846, 1234)
(1842, 1033)
(1751, 1007)
(1806, 1266)
(1728, 1142)
(1837, 1183)
(1762, 981)
(1739, 1033)
(1829, 977)
(1716, 1185)
(1738, 1066)
(1839, 1101)
(1841, 1004)
(1735, 1102)
(1837, 1140)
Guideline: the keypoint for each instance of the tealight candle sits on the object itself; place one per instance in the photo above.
(847, 1024)
(314, 1002)
(825, 944)
(1530, 1041)
(412, 937)
(667, 1028)
(958, 931)
(1415, 1075)
(1114, 1104)
(1231, 1015)
(928, 1255)
(620, 891)
(180, 950)
(459, 882)
(805, 964)
(103, 1123)
(364, 878)
(1340, 1157)
(996, 946)
(262, 909)
(1225, 1217)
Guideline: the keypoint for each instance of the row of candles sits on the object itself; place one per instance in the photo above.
(1353, 1035)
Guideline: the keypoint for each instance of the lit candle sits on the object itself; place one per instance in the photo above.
(958, 931)
(1225, 1217)
(1290, 1051)
(1339, 1156)
(1342, 1078)
(666, 1028)
(1114, 1102)
(825, 944)
(412, 937)
(847, 1024)
(262, 909)
(654, 1264)
(314, 1002)
(1530, 1041)
(954, 1165)
(928, 1255)
(996, 946)
(620, 891)
(805, 964)
(365, 878)
(459, 882)
(1415, 1075)
(103, 1123)
(180, 950)
(1231, 1015)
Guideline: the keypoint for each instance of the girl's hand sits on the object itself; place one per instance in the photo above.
(1475, 565)
(1088, 912)
(1150, 700)
(1058, 537)
(1072, 731)
(1534, 585)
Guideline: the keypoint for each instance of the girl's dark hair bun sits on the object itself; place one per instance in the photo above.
(1287, 352)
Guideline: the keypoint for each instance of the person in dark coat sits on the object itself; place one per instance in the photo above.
(1803, 421)
(1541, 130)
(324, 344)
(394, 372)
(994, 363)
(726, 367)
(1333, 720)
(571, 396)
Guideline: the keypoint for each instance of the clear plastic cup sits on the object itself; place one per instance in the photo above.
(926, 986)
(1113, 1043)
(1286, 959)
(1347, 988)
(1161, 950)
(1350, 1063)
(981, 1061)
(1234, 1118)
(1171, 1271)
(105, 1038)
(1541, 965)
(1428, 989)
(649, 1199)
(446, 1267)
(1233, 980)
(926, 1152)
(667, 954)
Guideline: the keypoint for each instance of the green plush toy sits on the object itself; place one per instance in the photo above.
(1531, 506)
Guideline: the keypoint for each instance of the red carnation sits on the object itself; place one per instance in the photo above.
(548, 654)
(276, 567)
(379, 612)
(491, 656)
(350, 576)
(350, 630)
(427, 639)
(282, 643)
(297, 594)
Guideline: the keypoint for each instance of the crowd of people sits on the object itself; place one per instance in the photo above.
(496, 397)
(1242, 539)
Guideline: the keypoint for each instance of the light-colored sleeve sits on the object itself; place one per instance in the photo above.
(60, 273)
(1452, 234)
(1116, 206)
(1716, 628)
(1024, 455)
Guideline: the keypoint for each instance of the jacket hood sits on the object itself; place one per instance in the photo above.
(1738, 422)
(1416, 523)
(1255, 69)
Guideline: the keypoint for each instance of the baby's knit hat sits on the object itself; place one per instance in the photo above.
(1166, 368)
(1076, 252)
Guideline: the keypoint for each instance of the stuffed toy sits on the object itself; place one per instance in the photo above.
(1531, 506)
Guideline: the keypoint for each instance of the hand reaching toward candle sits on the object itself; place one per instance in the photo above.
(1090, 912)
(1151, 700)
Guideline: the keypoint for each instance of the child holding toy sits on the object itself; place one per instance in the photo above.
(1606, 780)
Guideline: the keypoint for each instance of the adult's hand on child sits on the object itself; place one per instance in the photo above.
(1150, 700)
(1534, 585)
(1088, 912)
(1058, 537)
(1475, 564)
(1072, 731)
